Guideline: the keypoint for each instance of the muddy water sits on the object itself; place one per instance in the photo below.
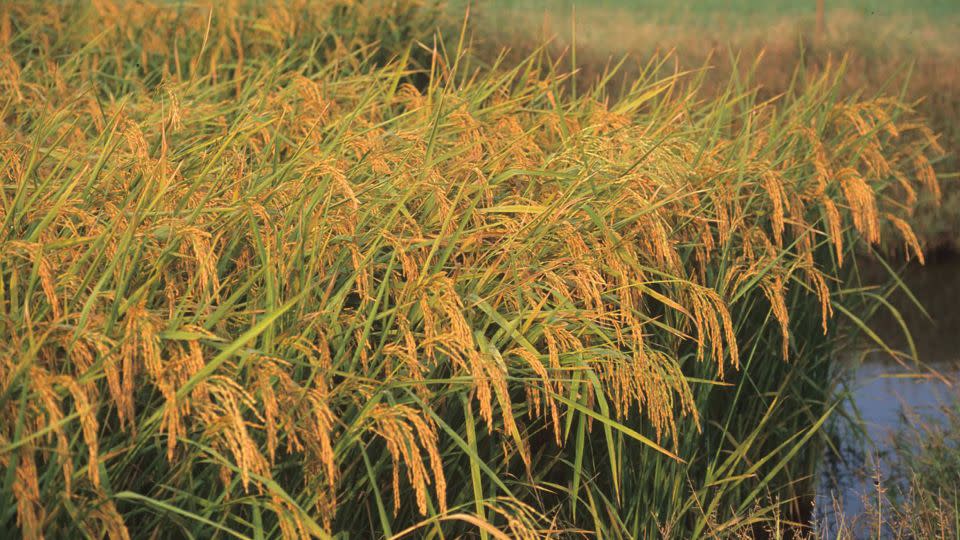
(888, 396)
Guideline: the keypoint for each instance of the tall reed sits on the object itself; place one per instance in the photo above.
(251, 290)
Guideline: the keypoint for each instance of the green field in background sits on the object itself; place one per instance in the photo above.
(710, 11)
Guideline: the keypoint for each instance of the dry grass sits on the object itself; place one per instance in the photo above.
(919, 496)
(254, 284)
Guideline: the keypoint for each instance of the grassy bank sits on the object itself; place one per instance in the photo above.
(266, 279)
(898, 48)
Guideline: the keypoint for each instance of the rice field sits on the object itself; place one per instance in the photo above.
(311, 270)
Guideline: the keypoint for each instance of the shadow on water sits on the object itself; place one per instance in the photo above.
(887, 395)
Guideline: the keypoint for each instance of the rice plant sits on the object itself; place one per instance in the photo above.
(259, 281)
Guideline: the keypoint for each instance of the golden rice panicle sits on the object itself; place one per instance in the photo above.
(45, 272)
(88, 423)
(834, 226)
(33, 252)
(775, 291)
(819, 284)
(323, 435)
(932, 139)
(288, 518)
(139, 349)
(103, 519)
(911, 243)
(489, 377)
(533, 361)
(651, 381)
(31, 512)
(522, 520)
(184, 363)
(406, 351)
(202, 255)
(266, 370)
(927, 176)
(311, 429)
(400, 427)
(909, 191)
(52, 416)
(427, 434)
(509, 509)
(773, 184)
(862, 202)
(224, 422)
(6, 30)
(821, 160)
(714, 324)
(801, 229)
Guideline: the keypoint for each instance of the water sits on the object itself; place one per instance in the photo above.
(888, 396)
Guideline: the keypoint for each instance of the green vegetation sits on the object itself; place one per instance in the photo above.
(927, 467)
(260, 277)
